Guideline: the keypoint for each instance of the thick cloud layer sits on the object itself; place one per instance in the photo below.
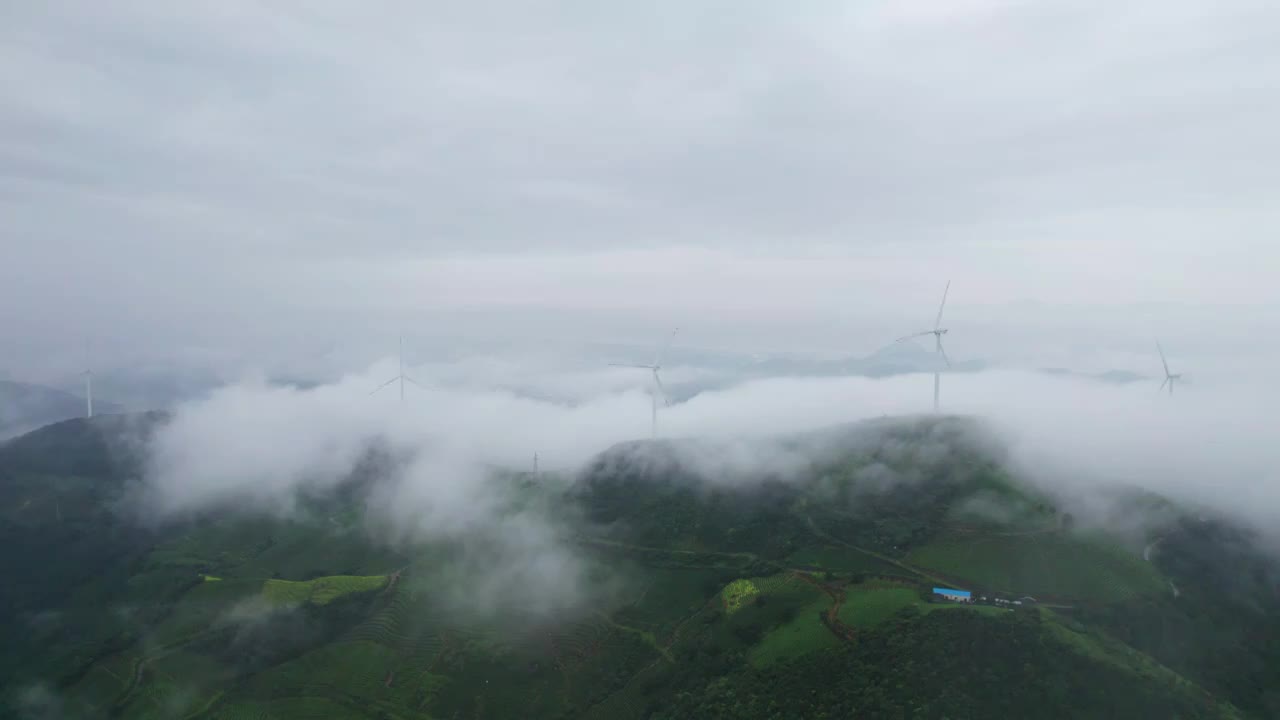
(1070, 435)
(263, 446)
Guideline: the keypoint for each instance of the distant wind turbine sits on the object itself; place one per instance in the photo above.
(658, 388)
(400, 376)
(1169, 377)
(88, 393)
(937, 332)
(88, 379)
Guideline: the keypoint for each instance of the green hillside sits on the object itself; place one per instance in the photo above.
(1048, 566)
(776, 596)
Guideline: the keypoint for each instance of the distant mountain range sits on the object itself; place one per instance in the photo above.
(150, 388)
(25, 407)
(1116, 377)
(724, 369)
(896, 359)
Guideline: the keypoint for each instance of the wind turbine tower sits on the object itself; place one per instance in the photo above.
(400, 376)
(658, 389)
(1169, 377)
(88, 392)
(937, 332)
(88, 378)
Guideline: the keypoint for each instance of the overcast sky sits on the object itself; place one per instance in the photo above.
(250, 177)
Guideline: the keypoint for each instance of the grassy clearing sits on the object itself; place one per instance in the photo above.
(320, 591)
(801, 635)
(870, 607)
(1053, 566)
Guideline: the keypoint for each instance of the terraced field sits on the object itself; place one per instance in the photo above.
(405, 625)
(357, 668)
(183, 683)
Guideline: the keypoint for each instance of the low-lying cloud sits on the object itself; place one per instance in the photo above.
(253, 439)
(1070, 436)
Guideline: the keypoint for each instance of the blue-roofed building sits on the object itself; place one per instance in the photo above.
(954, 595)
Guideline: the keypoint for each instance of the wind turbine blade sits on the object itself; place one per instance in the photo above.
(662, 352)
(938, 322)
(415, 382)
(385, 384)
(943, 353)
(1166, 382)
(629, 365)
(1162, 360)
(662, 389)
(905, 338)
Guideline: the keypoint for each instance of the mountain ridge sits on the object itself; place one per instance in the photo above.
(28, 406)
(718, 569)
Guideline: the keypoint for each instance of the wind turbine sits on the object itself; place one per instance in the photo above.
(658, 388)
(88, 379)
(88, 392)
(937, 332)
(1168, 376)
(400, 376)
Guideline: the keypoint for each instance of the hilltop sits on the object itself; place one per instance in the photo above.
(787, 577)
(27, 406)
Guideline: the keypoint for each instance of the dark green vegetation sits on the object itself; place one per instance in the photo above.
(792, 585)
